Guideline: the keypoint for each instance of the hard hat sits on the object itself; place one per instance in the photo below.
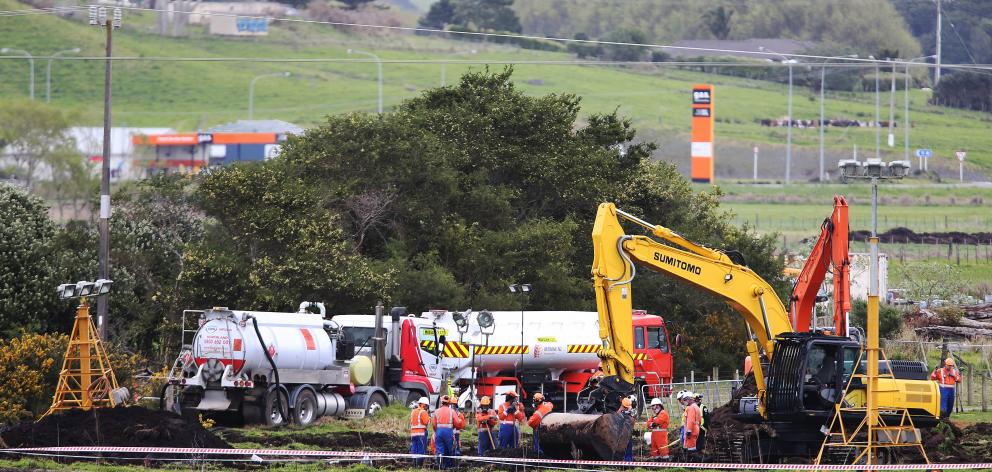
(511, 393)
(656, 401)
(680, 395)
(626, 403)
(444, 399)
(949, 361)
(424, 401)
(538, 397)
(485, 401)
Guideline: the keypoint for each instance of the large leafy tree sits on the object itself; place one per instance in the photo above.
(466, 189)
(28, 263)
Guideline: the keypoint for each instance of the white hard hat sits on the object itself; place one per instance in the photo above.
(680, 395)
(656, 401)
(424, 401)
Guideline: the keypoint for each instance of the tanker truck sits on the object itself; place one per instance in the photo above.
(271, 368)
(554, 353)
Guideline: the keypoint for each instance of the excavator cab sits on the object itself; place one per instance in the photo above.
(808, 376)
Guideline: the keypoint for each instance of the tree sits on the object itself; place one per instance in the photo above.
(354, 4)
(488, 15)
(72, 181)
(968, 90)
(34, 134)
(926, 281)
(440, 15)
(718, 21)
(617, 52)
(494, 187)
(28, 270)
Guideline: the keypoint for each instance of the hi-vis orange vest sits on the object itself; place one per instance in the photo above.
(538, 416)
(443, 418)
(945, 377)
(506, 418)
(484, 419)
(419, 421)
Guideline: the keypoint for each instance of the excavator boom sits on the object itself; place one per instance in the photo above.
(829, 253)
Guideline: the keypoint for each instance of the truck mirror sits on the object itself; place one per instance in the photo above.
(678, 341)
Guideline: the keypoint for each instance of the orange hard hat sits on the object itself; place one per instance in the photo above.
(511, 393)
(626, 403)
(485, 401)
(538, 397)
(444, 400)
(949, 361)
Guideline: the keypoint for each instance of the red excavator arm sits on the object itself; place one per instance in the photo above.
(829, 253)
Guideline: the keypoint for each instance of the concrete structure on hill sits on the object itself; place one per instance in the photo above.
(751, 48)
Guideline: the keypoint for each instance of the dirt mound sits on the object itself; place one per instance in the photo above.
(131, 426)
(948, 443)
(338, 441)
(906, 235)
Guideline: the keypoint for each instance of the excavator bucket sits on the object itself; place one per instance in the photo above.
(578, 436)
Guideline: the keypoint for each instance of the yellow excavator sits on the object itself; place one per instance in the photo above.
(799, 377)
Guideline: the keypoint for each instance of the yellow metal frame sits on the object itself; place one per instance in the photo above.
(865, 436)
(87, 378)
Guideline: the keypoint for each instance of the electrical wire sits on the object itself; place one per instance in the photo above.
(503, 35)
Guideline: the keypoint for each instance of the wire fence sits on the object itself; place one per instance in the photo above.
(921, 223)
(715, 393)
(974, 360)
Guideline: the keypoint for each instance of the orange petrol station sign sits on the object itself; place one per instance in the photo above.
(702, 133)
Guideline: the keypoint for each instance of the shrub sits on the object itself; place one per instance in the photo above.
(30, 366)
(889, 318)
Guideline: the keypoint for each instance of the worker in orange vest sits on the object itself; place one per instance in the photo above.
(511, 413)
(658, 425)
(627, 408)
(419, 420)
(485, 421)
(541, 408)
(459, 425)
(947, 378)
(692, 419)
(445, 421)
(747, 365)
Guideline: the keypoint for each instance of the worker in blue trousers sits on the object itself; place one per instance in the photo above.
(947, 378)
(419, 420)
(485, 421)
(511, 413)
(627, 408)
(445, 421)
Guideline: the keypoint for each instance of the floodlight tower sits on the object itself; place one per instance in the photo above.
(872, 424)
(86, 379)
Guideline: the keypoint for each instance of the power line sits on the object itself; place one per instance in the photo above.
(519, 36)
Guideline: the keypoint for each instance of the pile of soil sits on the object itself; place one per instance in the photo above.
(906, 235)
(338, 441)
(948, 443)
(131, 426)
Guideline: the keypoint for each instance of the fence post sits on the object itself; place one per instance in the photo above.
(737, 375)
(984, 393)
(692, 376)
(716, 374)
(970, 385)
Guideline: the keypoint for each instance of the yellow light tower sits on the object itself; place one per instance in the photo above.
(872, 433)
(87, 379)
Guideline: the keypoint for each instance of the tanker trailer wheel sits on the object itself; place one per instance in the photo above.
(305, 408)
(273, 416)
(376, 404)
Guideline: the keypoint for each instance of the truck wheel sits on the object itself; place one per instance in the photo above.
(273, 415)
(413, 397)
(376, 403)
(305, 408)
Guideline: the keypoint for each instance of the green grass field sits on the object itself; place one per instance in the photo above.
(191, 95)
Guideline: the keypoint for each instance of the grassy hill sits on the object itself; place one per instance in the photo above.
(192, 94)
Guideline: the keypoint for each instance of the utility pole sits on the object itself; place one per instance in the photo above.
(878, 114)
(98, 17)
(892, 108)
(936, 73)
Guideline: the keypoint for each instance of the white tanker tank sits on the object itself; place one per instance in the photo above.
(258, 362)
(551, 340)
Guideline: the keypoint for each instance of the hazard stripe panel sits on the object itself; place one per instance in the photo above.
(451, 349)
(583, 348)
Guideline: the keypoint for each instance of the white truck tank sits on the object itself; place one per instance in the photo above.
(293, 340)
